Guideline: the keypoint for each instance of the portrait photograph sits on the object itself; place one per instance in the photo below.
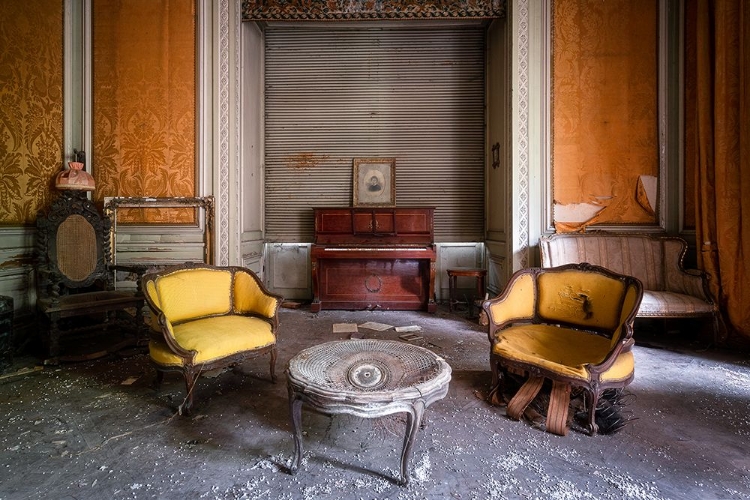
(374, 182)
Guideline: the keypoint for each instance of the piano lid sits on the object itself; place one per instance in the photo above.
(377, 226)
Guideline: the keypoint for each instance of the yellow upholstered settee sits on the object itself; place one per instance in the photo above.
(570, 324)
(205, 317)
(669, 290)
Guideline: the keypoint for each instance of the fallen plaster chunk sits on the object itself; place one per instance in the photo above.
(378, 327)
(411, 328)
(345, 328)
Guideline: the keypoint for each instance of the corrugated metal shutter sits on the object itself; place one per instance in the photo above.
(335, 94)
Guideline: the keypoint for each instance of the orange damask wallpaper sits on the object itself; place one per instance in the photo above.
(605, 147)
(144, 101)
(31, 106)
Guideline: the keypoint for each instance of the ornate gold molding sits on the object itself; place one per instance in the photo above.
(331, 10)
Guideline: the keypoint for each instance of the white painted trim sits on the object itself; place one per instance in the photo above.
(519, 227)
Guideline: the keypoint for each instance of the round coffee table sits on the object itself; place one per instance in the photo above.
(366, 378)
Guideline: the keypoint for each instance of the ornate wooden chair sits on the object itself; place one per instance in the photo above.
(207, 317)
(75, 280)
(572, 325)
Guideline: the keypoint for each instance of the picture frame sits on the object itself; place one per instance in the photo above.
(374, 182)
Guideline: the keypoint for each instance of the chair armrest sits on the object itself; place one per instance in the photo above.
(136, 269)
(167, 335)
(517, 302)
(251, 297)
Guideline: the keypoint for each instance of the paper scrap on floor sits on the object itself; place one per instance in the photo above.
(378, 327)
(410, 337)
(345, 328)
(410, 328)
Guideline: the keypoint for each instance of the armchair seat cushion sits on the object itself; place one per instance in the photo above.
(562, 351)
(657, 304)
(214, 338)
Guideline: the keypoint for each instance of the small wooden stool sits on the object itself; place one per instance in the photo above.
(471, 272)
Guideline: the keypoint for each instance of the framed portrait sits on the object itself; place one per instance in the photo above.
(374, 182)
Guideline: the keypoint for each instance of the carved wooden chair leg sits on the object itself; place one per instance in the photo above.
(593, 398)
(495, 397)
(273, 365)
(190, 381)
(158, 380)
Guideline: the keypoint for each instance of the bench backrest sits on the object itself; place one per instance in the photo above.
(641, 256)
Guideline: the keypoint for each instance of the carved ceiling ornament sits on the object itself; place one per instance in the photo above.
(327, 10)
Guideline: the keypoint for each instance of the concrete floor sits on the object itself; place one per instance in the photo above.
(98, 430)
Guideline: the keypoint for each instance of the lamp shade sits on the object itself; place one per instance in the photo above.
(75, 177)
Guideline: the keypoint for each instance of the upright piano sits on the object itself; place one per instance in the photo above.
(374, 258)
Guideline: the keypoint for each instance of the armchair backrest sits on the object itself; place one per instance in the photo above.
(185, 294)
(580, 296)
(194, 291)
(73, 244)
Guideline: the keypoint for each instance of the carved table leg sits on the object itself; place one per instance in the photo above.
(295, 411)
(413, 420)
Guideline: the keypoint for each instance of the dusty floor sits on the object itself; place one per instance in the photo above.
(98, 430)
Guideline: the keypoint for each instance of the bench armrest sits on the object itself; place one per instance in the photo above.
(677, 279)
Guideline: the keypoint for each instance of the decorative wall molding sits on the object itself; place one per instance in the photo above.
(332, 10)
(235, 19)
(522, 224)
(223, 201)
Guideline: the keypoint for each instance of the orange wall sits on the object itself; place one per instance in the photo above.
(604, 110)
(144, 100)
(31, 106)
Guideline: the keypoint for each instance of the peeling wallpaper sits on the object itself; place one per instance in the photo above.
(604, 111)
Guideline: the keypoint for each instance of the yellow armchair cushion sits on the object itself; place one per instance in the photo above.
(563, 351)
(621, 370)
(214, 338)
(250, 298)
(584, 299)
(194, 293)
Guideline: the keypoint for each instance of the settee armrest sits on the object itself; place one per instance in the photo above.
(677, 279)
(252, 297)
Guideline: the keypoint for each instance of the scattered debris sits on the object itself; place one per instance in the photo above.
(410, 337)
(345, 328)
(129, 381)
(406, 329)
(22, 371)
(378, 327)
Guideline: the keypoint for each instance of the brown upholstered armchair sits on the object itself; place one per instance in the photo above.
(572, 325)
(76, 296)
